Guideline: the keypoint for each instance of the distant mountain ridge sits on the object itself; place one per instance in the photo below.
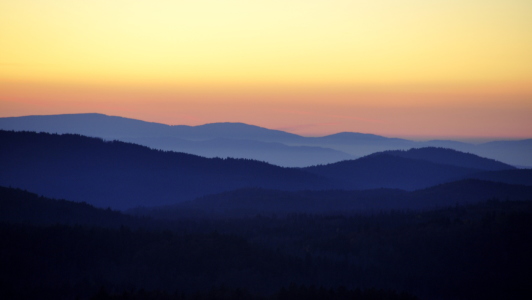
(289, 150)
(241, 140)
(122, 175)
(271, 152)
(346, 137)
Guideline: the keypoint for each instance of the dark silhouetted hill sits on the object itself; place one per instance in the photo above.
(18, 206)
(256, 201)
(384, 170)
(252, 202)
(121, 175)
(519, 176)
(469, 191)
(451, 157)
(295, 256)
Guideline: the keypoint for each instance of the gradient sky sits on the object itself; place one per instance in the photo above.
(411, 68)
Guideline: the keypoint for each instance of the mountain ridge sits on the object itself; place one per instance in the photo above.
(122, 175)
(351, 143)
(250, 202)
(382, 170)
(450, 157)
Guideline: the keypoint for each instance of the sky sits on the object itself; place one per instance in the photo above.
(414, 68)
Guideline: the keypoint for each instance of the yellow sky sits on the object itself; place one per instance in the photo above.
(377, 54)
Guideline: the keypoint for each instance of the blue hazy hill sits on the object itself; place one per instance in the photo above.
(272, 152)
(92, 124)
(235, 140)
(326, 149)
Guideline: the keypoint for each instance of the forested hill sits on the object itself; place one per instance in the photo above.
(383, 170)
(450, 157)
(122, 175)
(23, 207)
(519, 176)
(252, 202)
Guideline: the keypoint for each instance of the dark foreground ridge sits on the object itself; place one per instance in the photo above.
(436, 254)
(252, 202)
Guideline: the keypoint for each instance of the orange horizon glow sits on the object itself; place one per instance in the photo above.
(427, 69)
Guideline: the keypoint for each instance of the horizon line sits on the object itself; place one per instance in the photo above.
(415, 138)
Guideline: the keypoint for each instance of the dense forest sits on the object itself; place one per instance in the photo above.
(253, 201)
(426, 223)
(478, 251)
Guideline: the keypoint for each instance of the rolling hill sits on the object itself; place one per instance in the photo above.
(23, 207)
(248, 141)
(451, 157)
(121, 175)
(383, 170)
(252, 202)
(272, 152)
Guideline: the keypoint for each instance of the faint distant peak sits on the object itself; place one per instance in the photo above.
(350, 136)
(238, 125)
(243, 130)
(88, 114)
(527, 142)
(354, 134)
(230, 125)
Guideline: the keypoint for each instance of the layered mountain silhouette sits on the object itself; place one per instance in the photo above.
(409, 170)
(450, 157)
(123, 175)
(222, 140)
(240, 140)
(240, 228)
(520, 177)
(251, 202)
(23, 207)
(19, 206)
(272, 152)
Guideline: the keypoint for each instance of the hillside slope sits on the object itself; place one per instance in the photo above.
(389, 171)
(121, 175)
(452, 157)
